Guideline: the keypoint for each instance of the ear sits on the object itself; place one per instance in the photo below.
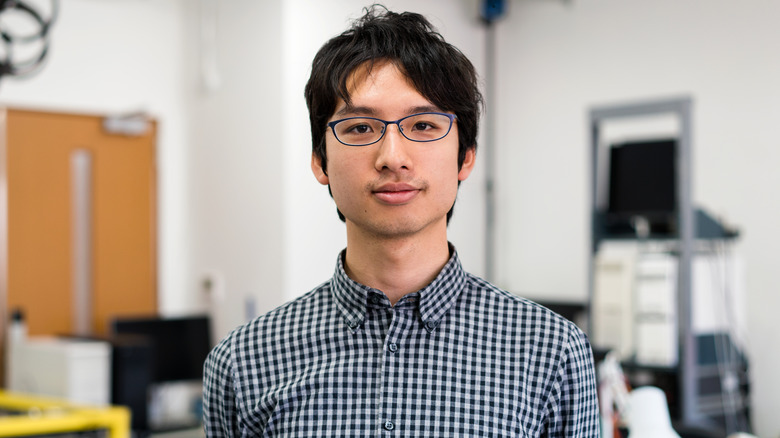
(319, 172)
(468, 164)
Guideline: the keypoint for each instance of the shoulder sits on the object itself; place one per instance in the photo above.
(288, 319)
(529, 312)
(523, 318)
(540, 337)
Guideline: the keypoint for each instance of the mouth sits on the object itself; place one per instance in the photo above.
(396, 193)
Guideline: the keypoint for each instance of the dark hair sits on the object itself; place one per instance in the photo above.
(437, 69)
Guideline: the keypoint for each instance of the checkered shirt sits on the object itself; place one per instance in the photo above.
(459, 358)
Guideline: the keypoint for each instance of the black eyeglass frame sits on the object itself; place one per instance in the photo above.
(332, 126)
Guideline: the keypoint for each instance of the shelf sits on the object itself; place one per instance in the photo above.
(686, 232)
(36, 415)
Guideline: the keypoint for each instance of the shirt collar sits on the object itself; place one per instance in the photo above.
(435, 299)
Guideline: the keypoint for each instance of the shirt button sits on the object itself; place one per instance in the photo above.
(389, 425)
(392, 347)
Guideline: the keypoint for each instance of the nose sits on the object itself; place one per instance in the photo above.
(392, 153)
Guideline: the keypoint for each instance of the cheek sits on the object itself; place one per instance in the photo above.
(445, 169)
(343, 178)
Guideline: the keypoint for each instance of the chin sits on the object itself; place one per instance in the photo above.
(399, 227)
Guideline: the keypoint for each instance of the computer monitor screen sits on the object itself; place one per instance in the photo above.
(642, 180)
(180, 345)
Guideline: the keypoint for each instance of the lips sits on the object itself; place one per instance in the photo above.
(395, 193)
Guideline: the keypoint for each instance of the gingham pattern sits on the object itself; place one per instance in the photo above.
(460, 358)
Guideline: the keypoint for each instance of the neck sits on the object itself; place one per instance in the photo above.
(396, 266)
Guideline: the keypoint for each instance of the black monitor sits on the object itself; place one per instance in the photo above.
(642, 180)
(179, 345)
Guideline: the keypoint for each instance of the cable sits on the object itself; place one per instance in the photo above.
(727, 357)
(12, 40)
(722, 362)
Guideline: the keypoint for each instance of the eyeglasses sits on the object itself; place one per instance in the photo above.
(421, 127)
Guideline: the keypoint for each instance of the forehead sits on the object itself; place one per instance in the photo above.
(369, 71)
(380, 85)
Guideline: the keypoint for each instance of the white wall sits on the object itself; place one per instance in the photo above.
(235, 155)
(558, 59)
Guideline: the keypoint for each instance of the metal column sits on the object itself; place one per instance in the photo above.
(680, 107)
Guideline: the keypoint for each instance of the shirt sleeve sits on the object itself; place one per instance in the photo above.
(220, 416)
(573, 409)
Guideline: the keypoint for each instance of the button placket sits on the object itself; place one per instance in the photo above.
(403, 323)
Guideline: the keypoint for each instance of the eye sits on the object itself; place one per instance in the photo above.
(358, 131)
(423, 126)
(358, 128)
(426, 126)
(427, 123)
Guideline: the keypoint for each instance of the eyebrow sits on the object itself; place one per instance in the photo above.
(350, 110)
(356, 110)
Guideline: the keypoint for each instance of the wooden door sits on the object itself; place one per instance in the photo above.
(40, 150)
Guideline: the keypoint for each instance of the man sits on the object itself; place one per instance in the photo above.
(401, 341)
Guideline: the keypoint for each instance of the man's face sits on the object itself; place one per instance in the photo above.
(396, 187)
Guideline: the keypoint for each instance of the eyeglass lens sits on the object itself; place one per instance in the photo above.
(361, 131)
